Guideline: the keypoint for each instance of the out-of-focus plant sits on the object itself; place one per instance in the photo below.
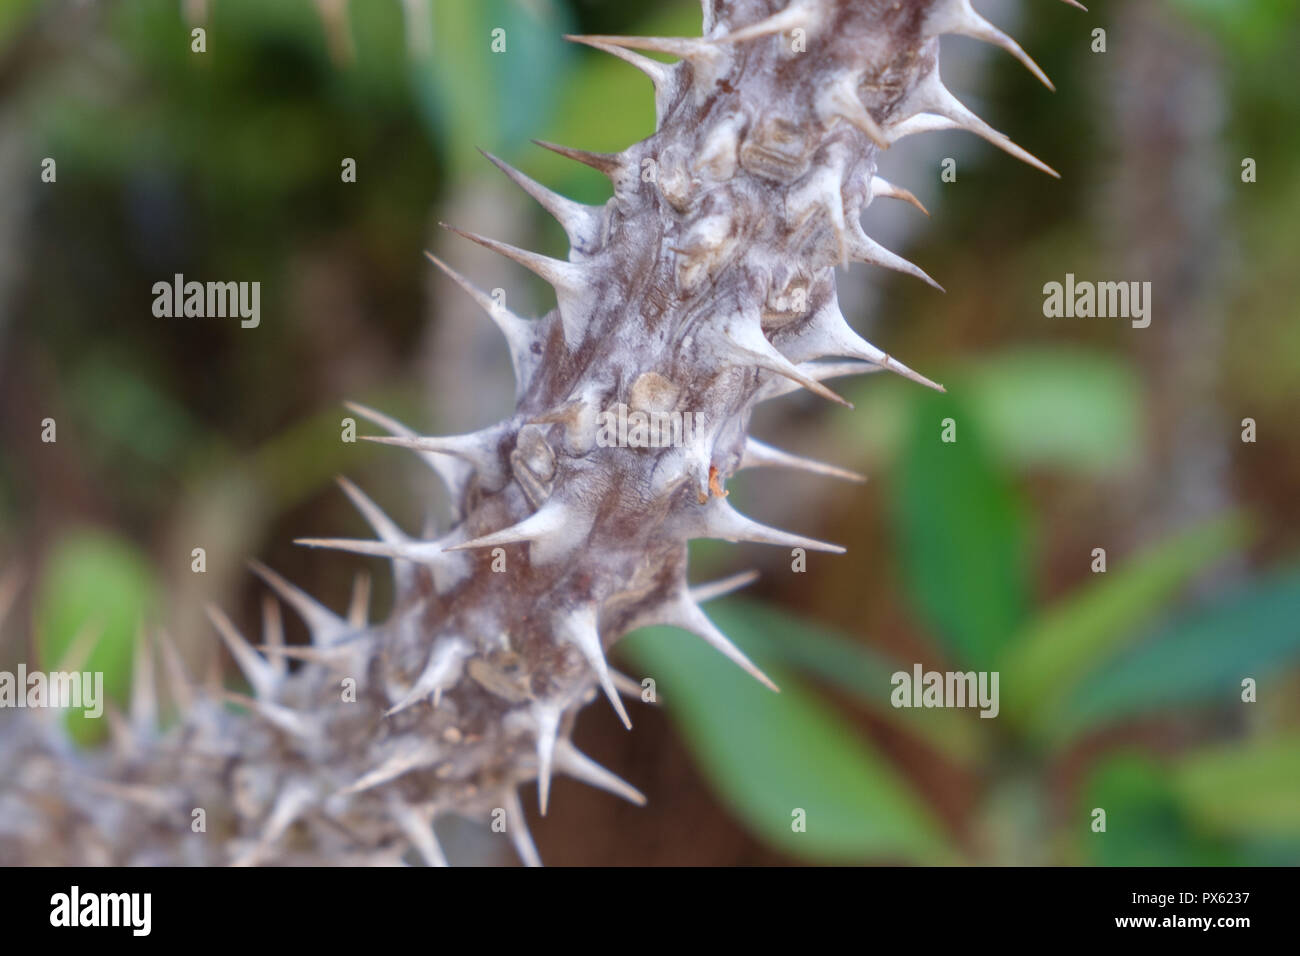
(1120, 653)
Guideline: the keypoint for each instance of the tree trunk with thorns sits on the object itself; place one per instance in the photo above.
(705, 285)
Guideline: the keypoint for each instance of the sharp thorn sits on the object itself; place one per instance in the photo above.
(453, 472)
(685, 48)
(747, 338)
(724, 522)
(863, 248)
(685, 614)
(442, 671)
(517, 826)
(409, 754)
(564, 276)
(359, 608)
(882, 187)
(283, 718)
(610, 164)
(546, 730)
(257, 670)
(179, 685)
(325, 626)
(702, 593)
(571, 761)
(417, 826)
(760, 455)
(795, 16)
(579, 628)
(659, 73)
(273, 633)
(144, 693)
(581, 223)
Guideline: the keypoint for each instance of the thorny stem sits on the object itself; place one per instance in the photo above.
(705, 285)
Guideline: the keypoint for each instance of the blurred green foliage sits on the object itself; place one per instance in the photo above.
(1064, 408)
(94, 581)
(1249, 28)
(1045, 662)
(1200, 658)
(962, 534)
(1112, 651)
(788, 754)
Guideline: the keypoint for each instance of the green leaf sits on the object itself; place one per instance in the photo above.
(1070, 639)
(1061, 408)
(1051, 407)
(768, 755)
(962, 533)
(13, 17)
(1246, 788)
(1251, 27)
(1200, 658)
(1228, 806)
(862, 671)
(92, 578)
(124, 414)
(1145, 825)
(494, 100)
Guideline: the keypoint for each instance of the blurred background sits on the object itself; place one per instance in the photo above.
(1120, 690)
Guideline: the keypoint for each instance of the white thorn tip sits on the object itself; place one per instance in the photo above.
(882, 187)
(144, 695)
(702, 593)
(574, 763)
(686, 614)
(794, 17)
(760, 455)
(865, 249)
(442, 672)
(546, 730)
(517, 825)
(686, 48)
(958, 16)
(658, 72)
(417, 826)
(563, 276)
(325, 626)
(579, 221)
(726, 523)
(747, 339)
(579, 629)
(257, 670)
